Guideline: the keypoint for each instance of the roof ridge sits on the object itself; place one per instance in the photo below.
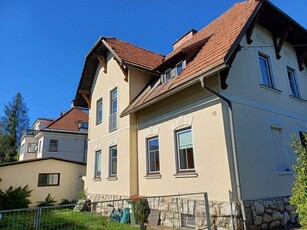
(134, 45)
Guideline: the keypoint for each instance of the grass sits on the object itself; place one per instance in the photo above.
(60, 219)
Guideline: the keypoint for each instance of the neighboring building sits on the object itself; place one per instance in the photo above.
(215, 115)
(61, 178)
(64, 137)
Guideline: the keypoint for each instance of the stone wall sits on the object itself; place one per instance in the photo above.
(171, 210)
(276, 213)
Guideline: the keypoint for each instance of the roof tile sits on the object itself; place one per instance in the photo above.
(134, 54)
(222, 33)
(70, 120)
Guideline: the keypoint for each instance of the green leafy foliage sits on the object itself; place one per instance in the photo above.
(142, 211)
(14, 198)
(49, 201)
(299, 197)
(12, 125)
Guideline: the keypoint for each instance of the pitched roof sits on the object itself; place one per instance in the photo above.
(70, 120)
(220, 36)
(39, 160)
(126, 52)
(135, 55)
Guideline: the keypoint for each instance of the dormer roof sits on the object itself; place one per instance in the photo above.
(220, 44)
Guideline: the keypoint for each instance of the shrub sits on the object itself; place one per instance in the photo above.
(14, 198)
(299, 196)
(66, 201)
(49, 201)
(142, 211)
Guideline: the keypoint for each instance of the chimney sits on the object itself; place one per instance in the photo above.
(184, 38)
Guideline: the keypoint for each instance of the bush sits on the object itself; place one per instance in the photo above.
(14, 198)
(66, 201)
(142, 211)
(299, 196)
(49, 201)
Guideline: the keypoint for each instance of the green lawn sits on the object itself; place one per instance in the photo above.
(61, 219)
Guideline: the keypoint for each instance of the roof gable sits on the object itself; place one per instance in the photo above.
(125, 53)
(70, 120)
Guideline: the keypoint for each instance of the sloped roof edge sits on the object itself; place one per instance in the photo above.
(41, 159)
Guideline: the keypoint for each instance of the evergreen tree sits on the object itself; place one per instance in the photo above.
(12, 125)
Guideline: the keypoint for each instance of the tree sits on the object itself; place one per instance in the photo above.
(299, 191)
(12, 125)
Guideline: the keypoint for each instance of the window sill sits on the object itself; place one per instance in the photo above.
(290, 172)
(97, 179)
(153, 176)
(185, 174)
(98, 124)
(112, 178)
(298, 99)
(270, 88)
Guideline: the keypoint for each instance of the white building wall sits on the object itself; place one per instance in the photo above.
(257, 109)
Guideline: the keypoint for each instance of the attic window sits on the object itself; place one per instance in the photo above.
(167, 75)
(83, 125)
(179, 68)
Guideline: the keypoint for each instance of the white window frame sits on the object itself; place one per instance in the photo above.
(40, 145)
(165, 79)
(277, 154)
(99, 109)
(51, 177)
(97, 166)
(294, 82)
(177, 133)
(57, 145)
(32, 147)
(178, 64)
(113, 122)
(112, 158)
(155, 152)
(271, 83)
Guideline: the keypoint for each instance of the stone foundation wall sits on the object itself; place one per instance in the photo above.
(276, 213)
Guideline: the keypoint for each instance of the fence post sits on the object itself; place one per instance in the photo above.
(207, 211)
(38, 214)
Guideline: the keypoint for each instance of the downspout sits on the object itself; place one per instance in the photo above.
(233, 145)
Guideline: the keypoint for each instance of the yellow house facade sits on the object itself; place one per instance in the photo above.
(61, 178)
(215, 115)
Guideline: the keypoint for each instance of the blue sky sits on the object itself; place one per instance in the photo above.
(43, 43)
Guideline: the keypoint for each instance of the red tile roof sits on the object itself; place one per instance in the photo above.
(222, 34)
(134, 54)
(70, 120)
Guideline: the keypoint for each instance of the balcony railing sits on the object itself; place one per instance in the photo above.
(113, 120)
(31, 132)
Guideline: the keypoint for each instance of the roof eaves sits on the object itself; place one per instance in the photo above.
(203, 73)
(242, 33)
(152, 71)
(94, 47)
(112, 51)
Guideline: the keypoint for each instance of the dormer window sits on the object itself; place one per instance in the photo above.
(167, 75)
(83, 125)
(173, 71)
(179, 68)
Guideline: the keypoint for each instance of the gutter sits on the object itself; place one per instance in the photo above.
(233, 145)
